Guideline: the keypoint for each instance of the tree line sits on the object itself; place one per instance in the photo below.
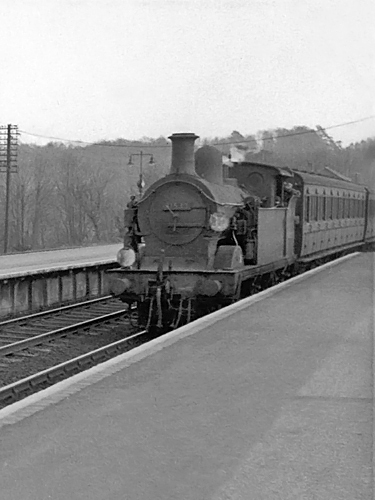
(63, 196)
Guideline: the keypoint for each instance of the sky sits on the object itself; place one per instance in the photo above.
(103, 69)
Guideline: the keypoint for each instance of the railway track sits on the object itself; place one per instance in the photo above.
(42, 379)
(36, 329)
(40, 349)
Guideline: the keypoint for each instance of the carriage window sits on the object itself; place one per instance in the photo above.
(322, 209)
(307, 208)
(328, 208)
(334, 207)
(319, 208)
(348, 200)
(315, 213)
(340, 208)
(361, 208)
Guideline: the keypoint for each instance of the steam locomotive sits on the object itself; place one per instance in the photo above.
(206, 235)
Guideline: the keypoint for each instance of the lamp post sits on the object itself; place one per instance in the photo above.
(141, 154)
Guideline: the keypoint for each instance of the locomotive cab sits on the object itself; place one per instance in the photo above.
(274, 211)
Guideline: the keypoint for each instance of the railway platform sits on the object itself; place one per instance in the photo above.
(271, 398)
(31, 262)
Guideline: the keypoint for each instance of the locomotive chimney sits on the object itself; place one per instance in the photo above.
(183, 153)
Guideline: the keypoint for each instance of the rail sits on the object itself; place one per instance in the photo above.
(28, 385)
(12, 329)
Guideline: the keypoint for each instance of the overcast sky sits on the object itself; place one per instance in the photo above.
(103, 69)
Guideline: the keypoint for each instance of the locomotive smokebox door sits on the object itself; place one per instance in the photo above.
(177, 214)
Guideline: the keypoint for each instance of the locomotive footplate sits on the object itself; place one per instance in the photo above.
(126, 283)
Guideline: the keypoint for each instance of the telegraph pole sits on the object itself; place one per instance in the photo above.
(8, 165)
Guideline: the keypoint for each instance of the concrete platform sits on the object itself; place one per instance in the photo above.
(272, 401)
(28, 263)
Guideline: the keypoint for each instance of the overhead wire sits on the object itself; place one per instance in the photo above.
(220, 143)
(102, 144)
(304, 132)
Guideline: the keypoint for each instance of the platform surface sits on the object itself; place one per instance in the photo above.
(274, 401)
(52, 259)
